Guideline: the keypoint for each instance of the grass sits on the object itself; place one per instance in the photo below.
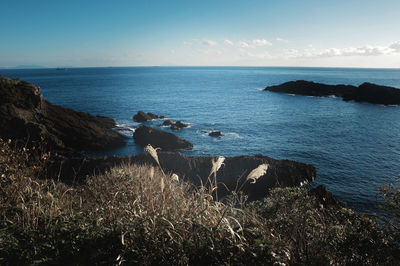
(136, 214)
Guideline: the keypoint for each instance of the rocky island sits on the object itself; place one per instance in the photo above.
(366, 92)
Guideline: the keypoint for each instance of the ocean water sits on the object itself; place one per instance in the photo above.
(354, 146)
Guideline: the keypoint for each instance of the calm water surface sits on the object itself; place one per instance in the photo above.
(354, 146)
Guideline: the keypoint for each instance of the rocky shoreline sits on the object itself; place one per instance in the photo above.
(26, 116)
(366, 92)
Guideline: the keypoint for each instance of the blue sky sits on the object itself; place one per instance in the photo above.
(184, 32)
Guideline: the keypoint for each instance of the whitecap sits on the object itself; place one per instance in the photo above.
(234, 135)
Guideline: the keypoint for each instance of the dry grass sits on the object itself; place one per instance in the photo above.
(136, 214)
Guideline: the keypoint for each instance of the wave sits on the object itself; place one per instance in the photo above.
(234, 135)
(125, 129)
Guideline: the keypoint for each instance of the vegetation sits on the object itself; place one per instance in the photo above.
(136, 214)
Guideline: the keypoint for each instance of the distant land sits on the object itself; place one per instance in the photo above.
(33, 67)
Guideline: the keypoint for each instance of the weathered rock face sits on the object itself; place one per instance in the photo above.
(366, 92)
(158, 138)
(24, 114)
(280, 173)
(143, 117)
(235, 170)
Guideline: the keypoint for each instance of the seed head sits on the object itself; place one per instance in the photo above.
(257, 173)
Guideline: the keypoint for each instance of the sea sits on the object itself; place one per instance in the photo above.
(355, 147)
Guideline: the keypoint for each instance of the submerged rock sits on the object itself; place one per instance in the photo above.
(366, 92)
(158, 138)
(25, 115)
(143, 117)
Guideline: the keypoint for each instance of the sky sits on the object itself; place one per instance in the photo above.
(309, 33)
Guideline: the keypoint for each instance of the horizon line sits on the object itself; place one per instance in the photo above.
(199, 66)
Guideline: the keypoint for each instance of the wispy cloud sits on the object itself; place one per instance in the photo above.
(367, 50)
(262, 42)
(243, 44)
(281, 40)
(254, 43)
(209, 43)
(228, 42)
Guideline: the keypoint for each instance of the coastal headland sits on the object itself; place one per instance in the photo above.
(366, 92)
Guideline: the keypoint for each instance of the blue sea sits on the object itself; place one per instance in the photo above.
(354, 146)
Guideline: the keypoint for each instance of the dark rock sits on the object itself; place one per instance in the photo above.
(280, 173)
(326, 198)
(161, 117)
(215, 134)
(178, 126)
(143, 117)
(158, 138)
(168, 123)
(152, 116)
(366, 92)
(25, 115)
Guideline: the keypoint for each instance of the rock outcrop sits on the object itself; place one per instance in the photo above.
(366, 92)
(143, 117)
(178, 125)
(326, 198)
(168, 122)
(158, 138)
(215, 134)
(195, 170)
(25, 115)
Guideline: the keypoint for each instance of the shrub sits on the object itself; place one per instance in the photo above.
(136, 214)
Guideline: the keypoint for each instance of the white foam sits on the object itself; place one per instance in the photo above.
(234, 134)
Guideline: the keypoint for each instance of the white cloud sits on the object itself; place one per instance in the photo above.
(395, 46)
(172, 51)
(281, 40)
(261, 43)
(243, 44)
(209, 43)
(367, 50)
(228, 42)
(254, 43)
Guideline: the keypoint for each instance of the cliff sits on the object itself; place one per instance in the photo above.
(25, 115)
